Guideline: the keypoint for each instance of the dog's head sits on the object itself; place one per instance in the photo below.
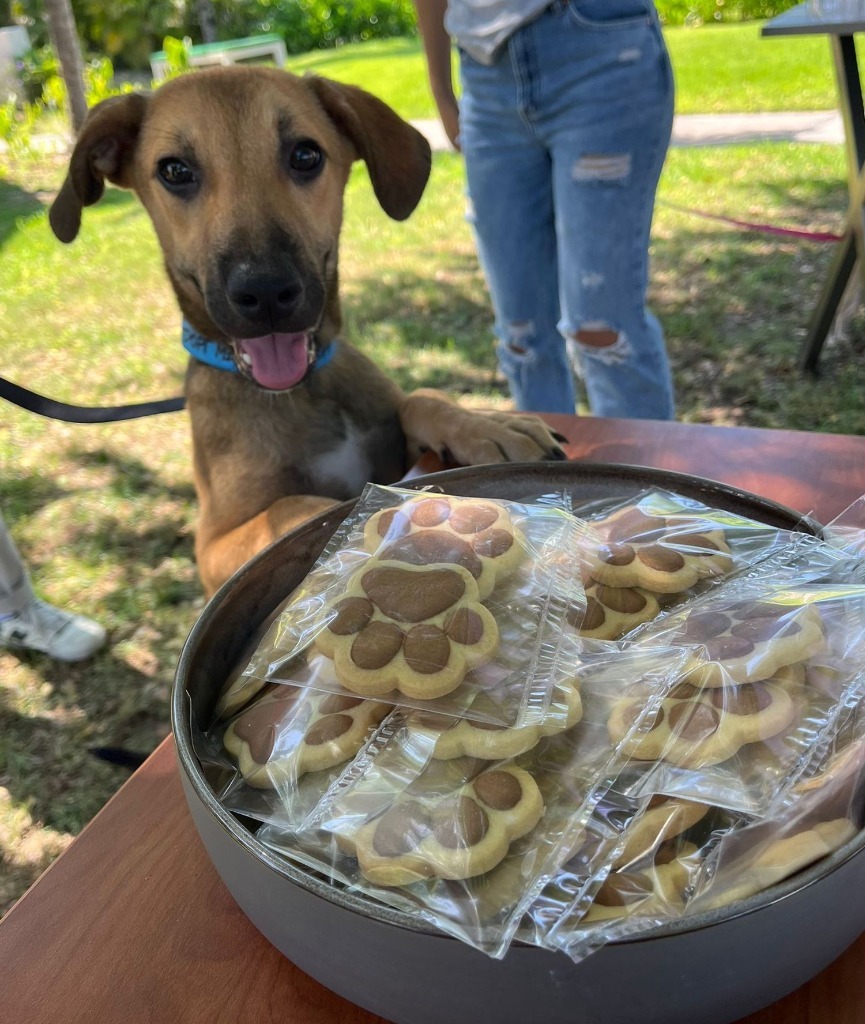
(242, 171)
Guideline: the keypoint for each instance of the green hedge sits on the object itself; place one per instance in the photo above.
(128, 31)
(315, 24)
(695, 12)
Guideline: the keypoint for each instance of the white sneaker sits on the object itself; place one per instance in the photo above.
(62, 635)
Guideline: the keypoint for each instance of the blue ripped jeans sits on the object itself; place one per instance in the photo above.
(564, 138)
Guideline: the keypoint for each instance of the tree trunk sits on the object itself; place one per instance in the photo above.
(64, 39)
(206, 21)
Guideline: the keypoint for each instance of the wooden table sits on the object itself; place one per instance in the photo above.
(133, 925)
(839, 20)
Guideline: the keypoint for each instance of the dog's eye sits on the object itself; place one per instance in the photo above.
(176, 175)
(306, 158)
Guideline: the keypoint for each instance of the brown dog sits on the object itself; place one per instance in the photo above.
(242, 171)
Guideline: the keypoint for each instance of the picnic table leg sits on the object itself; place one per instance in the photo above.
(827, 306)
(853, 245)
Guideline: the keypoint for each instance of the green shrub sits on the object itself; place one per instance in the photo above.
(696, 12)
(21, 118)
(35, 68)
(128, 31)
(99, 81)
(176, 56)
(316, 24)
(17, 124)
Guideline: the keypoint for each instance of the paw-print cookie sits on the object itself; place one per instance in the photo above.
(663, 818)
(695, 727)
(460, 835)
(664, 554)
(416, 629)
(745, 641)
(488, 741)
(611, 612)
(478, 535)
(660, 885)
(293, 730)
(785, 857)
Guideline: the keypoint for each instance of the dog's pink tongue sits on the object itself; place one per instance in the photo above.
(279, 361)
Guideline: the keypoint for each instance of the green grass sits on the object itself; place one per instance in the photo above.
(393, 69)
(731, 68)
(718, 69)
(105, 515)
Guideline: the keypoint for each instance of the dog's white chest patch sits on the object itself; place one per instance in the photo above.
(344, 469)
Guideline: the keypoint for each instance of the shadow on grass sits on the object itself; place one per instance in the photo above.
(132, 477)
(22, 496)
(801, 198)
(141, 568)
(117, 198)
(15, 203)
(446, 322)
(149, 598)
(735, 307)
(124, 206)
(45, 759)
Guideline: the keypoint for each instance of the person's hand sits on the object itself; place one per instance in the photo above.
(449, 112)
(437, 48)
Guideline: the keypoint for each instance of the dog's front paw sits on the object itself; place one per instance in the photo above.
(505, 437)
(432, 422)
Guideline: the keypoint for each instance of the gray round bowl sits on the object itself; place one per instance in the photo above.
(714, 968)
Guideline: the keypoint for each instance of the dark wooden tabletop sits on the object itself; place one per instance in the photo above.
(132, 924)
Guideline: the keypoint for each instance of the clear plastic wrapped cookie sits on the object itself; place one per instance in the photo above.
(742, 641)
(456, 836)
(666, 554)
(612, 612)
(484, 737)
(655, 890)
(695, 727)
(662, 819)
(479, 535)
(414, 629)
(773, 862)
(290, 731)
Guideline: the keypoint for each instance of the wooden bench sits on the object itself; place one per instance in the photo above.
(229, 51)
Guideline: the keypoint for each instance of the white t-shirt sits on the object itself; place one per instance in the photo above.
(480, 27)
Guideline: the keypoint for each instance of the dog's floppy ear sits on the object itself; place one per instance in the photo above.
(396, 154)
(103, 150)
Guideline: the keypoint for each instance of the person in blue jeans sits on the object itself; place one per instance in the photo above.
(564, 120)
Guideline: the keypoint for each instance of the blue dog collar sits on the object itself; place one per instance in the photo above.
(211, 353)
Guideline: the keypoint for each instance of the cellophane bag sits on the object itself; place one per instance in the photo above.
(463, 841)
(643, 862)
(668, 840)
(426, 601)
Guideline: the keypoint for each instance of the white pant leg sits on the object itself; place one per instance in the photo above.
(15, 590)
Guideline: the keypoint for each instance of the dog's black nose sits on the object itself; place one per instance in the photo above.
(263, 298)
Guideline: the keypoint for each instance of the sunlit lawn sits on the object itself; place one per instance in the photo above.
(718, 69)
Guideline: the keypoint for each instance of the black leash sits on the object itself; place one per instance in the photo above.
(42, 406)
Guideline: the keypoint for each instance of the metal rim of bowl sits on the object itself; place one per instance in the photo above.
(367, 907)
